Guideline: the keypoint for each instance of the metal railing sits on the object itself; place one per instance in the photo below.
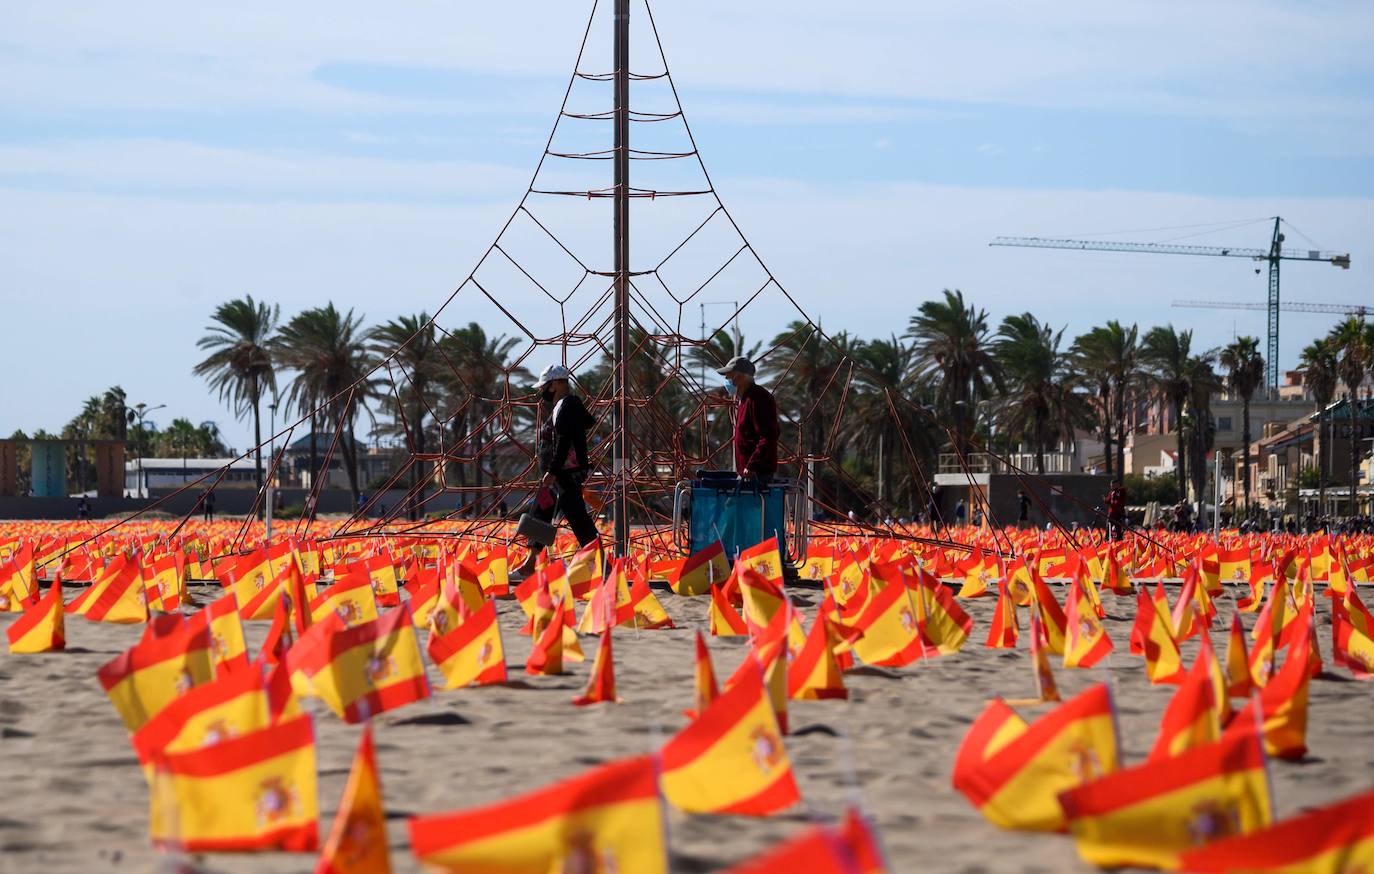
(981, 462)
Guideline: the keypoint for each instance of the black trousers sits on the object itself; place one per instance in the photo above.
(571, 504)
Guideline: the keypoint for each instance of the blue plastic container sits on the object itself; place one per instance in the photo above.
(738, 515)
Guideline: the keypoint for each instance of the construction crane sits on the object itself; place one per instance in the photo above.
(1346, 309)
(1273, 255)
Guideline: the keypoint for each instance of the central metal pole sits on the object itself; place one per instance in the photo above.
(621, 229)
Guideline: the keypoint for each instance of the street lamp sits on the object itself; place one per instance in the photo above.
(272, 453)
(138, 413)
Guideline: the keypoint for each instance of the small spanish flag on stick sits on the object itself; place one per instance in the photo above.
(41, 627)
(1335, 838)
(471, 654)
(357, 841)
(731, 759)
(609, 818)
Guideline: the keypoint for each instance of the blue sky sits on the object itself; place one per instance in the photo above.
(156, 160)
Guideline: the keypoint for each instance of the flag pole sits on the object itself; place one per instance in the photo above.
(620, 464)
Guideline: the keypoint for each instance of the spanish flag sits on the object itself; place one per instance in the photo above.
(1046, 689)
(17, 586)
(601, 683)
(261, 603)
(162, 583)
(42, 626)
(1351, 646)
(116, 596)
(763, 597)
(1194, 715)
(725, 620)
(471, 654)
(1234, 565)
(1331, 839)
(546, 656)
(151, 674)
(943, 622)
(366, 669)
(350, 598)
(220, 621)
(891, 632)
(815, 672)
(1238, 682)
(1163, 664)
(229, 706)
(493, 572)
(731, 758)
(704, 680)
(978, 570)
(1115, 577)
(994, 728)
(1284, 699)
(1018, 785)
(817, 850)
(609, 818)
(764, 559)
(357, 842)
(252, 792)
(1052, 617)
(1086, 641)
(1005, 627)
(246, 575)
(701, 570)
(1151, 814)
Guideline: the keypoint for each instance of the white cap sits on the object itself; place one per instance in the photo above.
(552, 372)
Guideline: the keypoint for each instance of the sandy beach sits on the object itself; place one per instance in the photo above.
(75, 801)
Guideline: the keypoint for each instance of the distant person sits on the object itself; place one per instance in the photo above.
(562, 461)
(933, 508)
(978, 517)
(960, 512)
(209, 505)
(278, 502)
(756, 423)
(83, 508)
(1116, 510)
(1023, 508)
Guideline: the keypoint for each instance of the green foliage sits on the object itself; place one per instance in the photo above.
(1142, 489)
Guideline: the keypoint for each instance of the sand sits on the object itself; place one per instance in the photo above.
(74, 800)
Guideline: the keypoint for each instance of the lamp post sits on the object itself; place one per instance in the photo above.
(268, 497)
(138, 413)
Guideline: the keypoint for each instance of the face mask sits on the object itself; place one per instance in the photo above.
(730, 389)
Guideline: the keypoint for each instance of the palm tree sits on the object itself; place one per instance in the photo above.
(1028, 352)
(1167, 356)
(1353, 341)
(952, 352)
(879, 424)
(240, 365)
(802, 366)
(327, 351)
(1109, 357)
(1319, 375)
(412, 344)
(1203, 382)
(475, 381)
(1244, 375)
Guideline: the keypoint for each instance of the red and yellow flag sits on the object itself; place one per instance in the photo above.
(116, 595)
(252, 792)
(230, 706)
(1086, 642)
(891, 631)
(1005, 628)
(601, 683)
(1238, 681)
(815, 672)
(41, 628)
(1332, 839)
(1163, 663)
(357, 842)
(472, 653)
(1151, 814)
(152, 673)
(1017, 786)
(350, 598)
(366, 669)
(731, 759)
(609, 818)
(704, 685)
(700, 571)
(1284, 699)
(725, 620)
(1194, 715)
(220, 621)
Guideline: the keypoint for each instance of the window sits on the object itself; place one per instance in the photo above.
(1223, 423)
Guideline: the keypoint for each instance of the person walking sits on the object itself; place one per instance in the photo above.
(1023, 507)
(756, 423)
(562, 461)
(1116, 510)
(210, 506)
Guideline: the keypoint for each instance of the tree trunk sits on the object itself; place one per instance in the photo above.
(314, 460)
(1354, 457)
(1321, 450)
(1245, 448)
(1105, 399)
(257, 438)
(1182, 463)
(416, 470)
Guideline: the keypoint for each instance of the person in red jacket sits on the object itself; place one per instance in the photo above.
(756, 423)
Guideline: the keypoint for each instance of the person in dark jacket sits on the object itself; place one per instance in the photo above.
(562, 460)
(756, 423)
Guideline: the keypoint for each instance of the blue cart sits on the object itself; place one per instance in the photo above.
(718, 506)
